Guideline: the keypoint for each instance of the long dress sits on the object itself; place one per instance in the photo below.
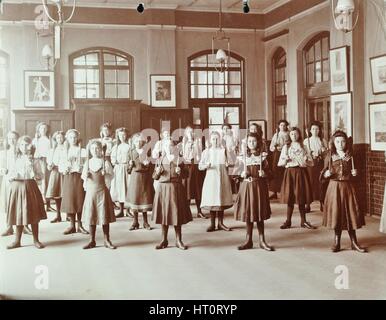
(54, 187)
(318, 147)
(277, 143)
(231, 146)
(119, 189)
(43, 147)
(170, 206)
(341, 210)
(8, 164)
(25, 202)
(216, 190)
(98, 208)
(108, 144)
(252, 202)
(72, 160)
(141, 194)
(382, 226)
(296, 186)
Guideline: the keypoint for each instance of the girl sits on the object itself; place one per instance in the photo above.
(170, 206)
(25, 202)
(316, 146)
(54, 187)
(107, 141)
(279, 139)
(71, 165)
(98, 208)
(217, 190)
(141, 197)
(252, 202)
(7, 166)
(120, 160)
(296, 186)
(162, 143)
(191, 150)
(42, 146)
(341, 210)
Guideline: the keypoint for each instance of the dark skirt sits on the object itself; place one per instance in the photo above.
(72, 193)
(54, 187)
(25, 203)
(141, 195)
(98, 208)
(296, 187)
(252, 202)
(170, 206)
(278, 173)
(341, 209)
(193, 183)
(316, 185)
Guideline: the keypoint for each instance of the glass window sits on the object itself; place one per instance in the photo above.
(279, 77)
(4, 95)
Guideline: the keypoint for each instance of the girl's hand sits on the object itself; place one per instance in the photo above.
(208, 165)
(146, 162)
(103, 172)
(3, 171)
(354, 172)
(49, 167)
(178, 170)
(327, 174)
(158, 170)
(243, 175)
(261, 173)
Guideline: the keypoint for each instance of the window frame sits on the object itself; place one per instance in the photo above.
(279, 100)
(5, 103)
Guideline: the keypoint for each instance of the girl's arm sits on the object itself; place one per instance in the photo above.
(325, 174)
(37, 170)
(203, 165)
(283, 157)
(272, 146)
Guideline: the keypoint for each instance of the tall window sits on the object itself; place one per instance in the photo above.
(279, 78)
(4, 94)
(317, 59)
(216, 97)
(101, 73)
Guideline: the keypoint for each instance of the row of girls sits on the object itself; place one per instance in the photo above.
(86, 183)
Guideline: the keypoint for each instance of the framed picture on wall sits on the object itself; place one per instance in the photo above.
(262, 124)
(163, 90)
(377, 116)
(341, 113)
(39, 89)
(339, 68)
(378, 74)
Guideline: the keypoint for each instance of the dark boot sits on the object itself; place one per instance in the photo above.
(121, 210)
(129, 213)
(146, 224)
(164, 243)
(71, 228)
(287, 223)
(80, 228)
(262, 243)
(35, 233)
(308, 208)
(17, 242)
(199, 213)
(336, 246)
(220, 223)
(27, 230)
(249, 243)
(354, 242)
(58, 215)
(8, 232)
(92, 243)
(135, 224)
(303, 221)
(179, 243)
(106, 233)
(212, 226)
(48, 207)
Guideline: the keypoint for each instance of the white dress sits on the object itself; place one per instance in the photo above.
(7, 163)
(120, 183)
(217, 190)
(382, 226)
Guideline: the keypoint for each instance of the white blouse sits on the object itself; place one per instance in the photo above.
(120, 153)
(109, 143)
(191, 150)
(298, 156)
(43, 146)
(72, 159)
(25, 168)
(280, 139)
(55, 154)
(317, 146)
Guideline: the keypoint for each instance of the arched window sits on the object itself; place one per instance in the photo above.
(4, 94)
(101, 73)
(279, 81)
(216, 97)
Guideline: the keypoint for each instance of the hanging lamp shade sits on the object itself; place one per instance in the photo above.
(345, 6)
(47, 51)
(221, 55)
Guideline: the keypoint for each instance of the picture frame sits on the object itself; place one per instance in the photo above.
(377, 127)
(339, 70)
(378, 74)
(341, 113)
(262, 123)
(39, 88)
(163, 90)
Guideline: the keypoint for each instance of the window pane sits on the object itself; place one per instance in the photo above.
(3, 61)
(123, 91)
(216, 115)
(218, 91)
(122, 61)
(234, 63)
(109, 59)
(80, 61)
(234, 77)
(79, 76)
(110, 76)
(220, 77)
(198, 91)
(325, 48)
(234, 92)
(326, 70)
(3, 75)
(92, 91)
(123, 76)
(310, 55)
(92, 59)
(310, 74)
(199, 62)
(210, 77)
(231, 115)
(110, 91)
(318, 51)
(198, 77)
(92, 76)
(80, 91)
(318, 72)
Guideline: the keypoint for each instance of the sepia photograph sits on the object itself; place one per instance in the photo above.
(192, 158)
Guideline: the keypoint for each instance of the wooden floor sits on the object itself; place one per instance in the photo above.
(302, 267)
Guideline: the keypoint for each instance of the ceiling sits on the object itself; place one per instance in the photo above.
(256, 6)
